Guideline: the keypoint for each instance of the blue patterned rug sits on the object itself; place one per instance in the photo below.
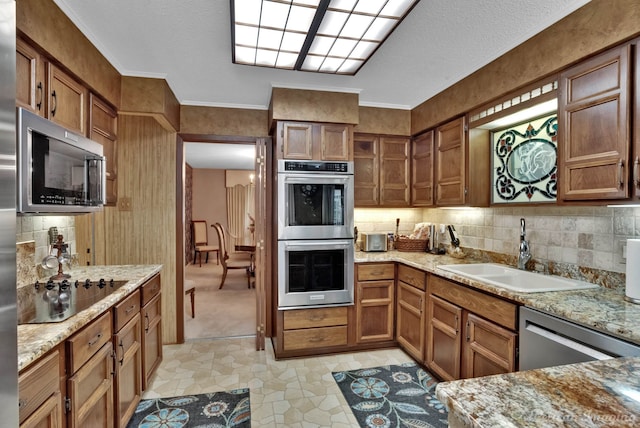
(212, 410)
(392, 396)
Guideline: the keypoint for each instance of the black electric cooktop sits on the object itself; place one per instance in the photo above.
(59, 300)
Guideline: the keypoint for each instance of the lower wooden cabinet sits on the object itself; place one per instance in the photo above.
(151, 318)
(410, 311)
(40, 399)
(375, 302)
(469, 333)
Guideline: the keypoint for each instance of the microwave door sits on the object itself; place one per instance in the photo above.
(95, 186)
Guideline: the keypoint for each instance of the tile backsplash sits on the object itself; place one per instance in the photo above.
(583, 236)
(36, 228)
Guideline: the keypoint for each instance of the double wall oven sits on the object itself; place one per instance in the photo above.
(315, 233)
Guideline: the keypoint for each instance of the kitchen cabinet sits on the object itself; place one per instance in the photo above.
(594, 128)
(469, 333)
(40, 397)
(375, 302)
(30, 91)
(311, 329)
(103, 125)
(458, 181)
(410, 310)
(151, 318)
(66, 100)
(381, 170)
(90, 382)
(128, 354)
(314, 141)
(422, 163)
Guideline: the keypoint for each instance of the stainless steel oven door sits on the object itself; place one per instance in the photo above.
(315, 206)
(315, 273)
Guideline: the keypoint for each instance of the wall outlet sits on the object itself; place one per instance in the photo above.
(124, 204)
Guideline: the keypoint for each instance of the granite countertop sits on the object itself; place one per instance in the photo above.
(593, 394)
(35, 340)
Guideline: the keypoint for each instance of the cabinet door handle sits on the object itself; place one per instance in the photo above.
(636, 178)
(121, 345)
(620, 174)
(39, 89)
(54, 98)
(95, 339)
(456, 318)
(468, 328)
(147, 323)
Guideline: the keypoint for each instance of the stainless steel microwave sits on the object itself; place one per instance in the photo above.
(58, 171)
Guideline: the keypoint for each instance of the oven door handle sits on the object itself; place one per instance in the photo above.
(318, 244)
(565, 341)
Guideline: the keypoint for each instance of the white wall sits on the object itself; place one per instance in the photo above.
(209, 199)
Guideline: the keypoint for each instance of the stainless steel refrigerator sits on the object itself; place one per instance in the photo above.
(8, 303)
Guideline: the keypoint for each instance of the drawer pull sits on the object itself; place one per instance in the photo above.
(316, 317)
(22, 403)
(377, 272)
(128, 310)
(95, 340)
(317, 339)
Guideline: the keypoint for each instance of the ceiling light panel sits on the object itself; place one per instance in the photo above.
(329, 36)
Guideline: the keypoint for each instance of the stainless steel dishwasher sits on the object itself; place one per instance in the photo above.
(546, 340)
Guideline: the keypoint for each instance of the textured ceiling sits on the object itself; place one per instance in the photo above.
(188, 43)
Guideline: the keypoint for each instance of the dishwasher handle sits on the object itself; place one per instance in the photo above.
(565, 341)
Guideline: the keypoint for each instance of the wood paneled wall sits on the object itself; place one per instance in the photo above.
(596, 26)
(147, 233)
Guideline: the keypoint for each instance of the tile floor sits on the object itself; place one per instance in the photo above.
(285, 393)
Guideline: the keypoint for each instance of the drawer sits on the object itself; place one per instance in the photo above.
(487, 306)
(126, 310)
(310, 338)
(310, 318)
(82, 345)
(412, 276)
(372, 272)
(37, 383)
(150, 289)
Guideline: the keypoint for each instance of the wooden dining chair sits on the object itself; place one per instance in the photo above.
(227, 261)
(201, 242)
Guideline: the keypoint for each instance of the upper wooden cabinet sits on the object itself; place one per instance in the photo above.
(381, 170)
(422, 170)
(103, 125)
(67, 100)
(30, 91)
(458, 180)
(315, 141)
(593, 128)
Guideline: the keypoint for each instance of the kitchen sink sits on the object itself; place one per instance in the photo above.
(514, 279)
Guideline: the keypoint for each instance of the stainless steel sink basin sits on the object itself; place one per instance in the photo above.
(515, 279)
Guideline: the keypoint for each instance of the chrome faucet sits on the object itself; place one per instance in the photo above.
(523, 255)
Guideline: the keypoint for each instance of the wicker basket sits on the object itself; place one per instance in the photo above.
(406, 244)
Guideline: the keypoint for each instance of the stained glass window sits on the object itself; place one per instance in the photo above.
(524, 162)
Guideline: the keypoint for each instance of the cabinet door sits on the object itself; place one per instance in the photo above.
(90, 390)
(335, 142)
(39, 389)
(30, 91)
(451, 163)
(443, 338)
(410, 320)
(297, 140)
(128, 378)
(366, 174)
(422, 163)
(488, 349)
(103, 125)
(151, 339)
(374, 308)
(67, 100)
(48, 415)
(394, 172)
(593, 128)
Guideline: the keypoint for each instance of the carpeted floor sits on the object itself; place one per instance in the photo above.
(392, 396)
(216, 409)
(228, 312)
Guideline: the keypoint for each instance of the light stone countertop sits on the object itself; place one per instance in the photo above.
(593, 394)
(35, 340)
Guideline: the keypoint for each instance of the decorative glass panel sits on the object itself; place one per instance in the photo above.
(525, 162)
